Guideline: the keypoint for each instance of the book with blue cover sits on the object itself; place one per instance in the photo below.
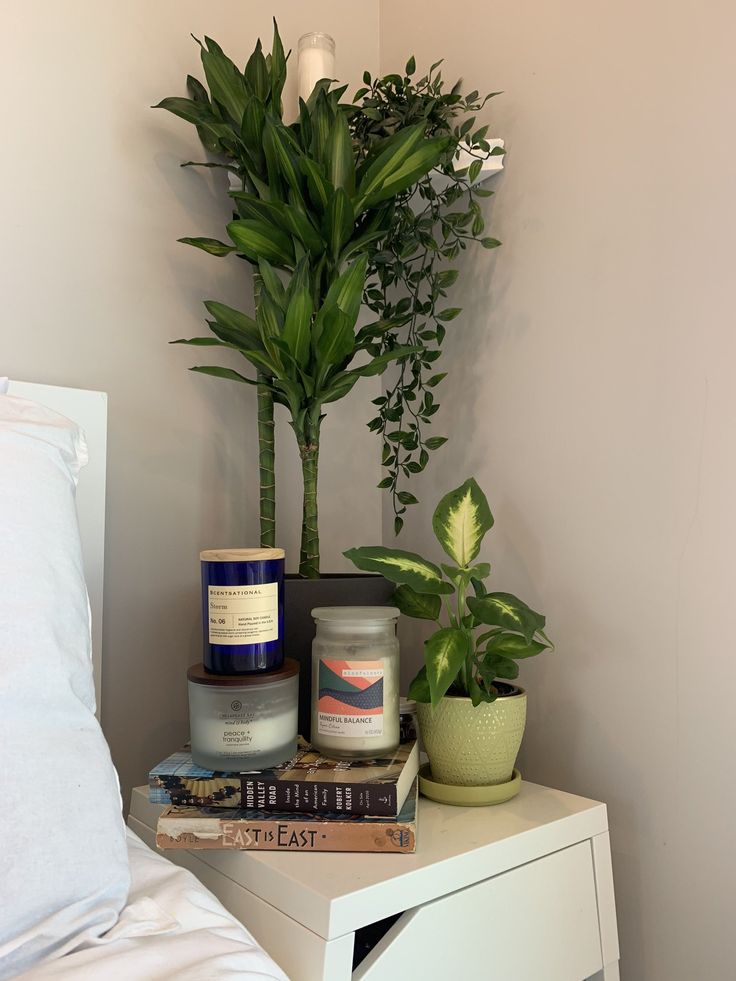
(308, 783)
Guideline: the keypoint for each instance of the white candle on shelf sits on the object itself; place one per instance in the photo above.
(316, 61)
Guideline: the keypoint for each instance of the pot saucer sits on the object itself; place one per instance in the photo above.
(446, 793)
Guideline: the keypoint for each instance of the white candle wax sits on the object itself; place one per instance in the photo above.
(243, 737)
(248, 727)
(316, 61)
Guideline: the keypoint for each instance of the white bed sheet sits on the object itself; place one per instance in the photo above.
(172, 929)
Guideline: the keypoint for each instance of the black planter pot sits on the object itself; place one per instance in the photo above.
(301, 596)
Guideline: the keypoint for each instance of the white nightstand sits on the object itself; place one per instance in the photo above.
(518, 892)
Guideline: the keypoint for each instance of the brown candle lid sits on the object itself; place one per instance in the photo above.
(241, 554)
(200, 676)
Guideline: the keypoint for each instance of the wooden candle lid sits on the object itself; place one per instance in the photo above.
(241, 554)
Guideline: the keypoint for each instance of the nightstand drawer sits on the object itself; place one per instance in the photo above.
(538, 922)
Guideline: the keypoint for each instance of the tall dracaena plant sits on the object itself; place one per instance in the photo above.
(309, 214)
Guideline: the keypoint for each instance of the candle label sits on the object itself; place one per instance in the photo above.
(243, 614)
(350, 698)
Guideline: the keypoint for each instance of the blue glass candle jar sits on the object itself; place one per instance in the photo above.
(242, 609)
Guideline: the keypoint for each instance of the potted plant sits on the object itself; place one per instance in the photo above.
(326, 215)
(471, 714)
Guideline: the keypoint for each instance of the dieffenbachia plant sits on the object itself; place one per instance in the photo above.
(480, 635)
(310, 210)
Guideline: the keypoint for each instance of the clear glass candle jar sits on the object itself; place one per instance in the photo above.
(316, 54)
(355, 681)
(243, 722)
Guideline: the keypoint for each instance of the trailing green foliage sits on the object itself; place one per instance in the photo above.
(412, 271)
(481, 636)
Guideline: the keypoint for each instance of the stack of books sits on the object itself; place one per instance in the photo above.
(309, 803)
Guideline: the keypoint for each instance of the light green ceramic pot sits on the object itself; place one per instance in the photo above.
(473, 747)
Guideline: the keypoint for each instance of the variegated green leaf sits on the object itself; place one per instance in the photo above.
(515, 646)
(444, 655)
(419, 688)
(422, 606)
(461, 520)
(400, 567)
(506, 610)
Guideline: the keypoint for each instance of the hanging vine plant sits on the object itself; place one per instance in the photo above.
(412, 270)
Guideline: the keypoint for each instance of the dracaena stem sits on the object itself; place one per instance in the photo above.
(266, 469)
(309, 453)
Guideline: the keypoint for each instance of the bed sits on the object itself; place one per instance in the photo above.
(147, 920)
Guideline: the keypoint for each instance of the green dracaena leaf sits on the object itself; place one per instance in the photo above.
(204, 342)
(257, 240)
(347, 290)
(301, 228)
(227, 373)
(257, 75)
(506, 610)
(321, 115)
(461, 520)
(224, 79)
(338, 387)
(417, 164)
(243, 342)
(421, 606)
(192, 110)
(400, 567)
(278, 70)
(340, 161)
(335, 341)
(272, 284)
(232, 318)
(251, 129)
(298, 321)
(444, 655)
(388, 154)
(339, 222)
(379, 363)
(269, 319)
(279, 148)
(320, 191)
(270, 212)
(210, 245)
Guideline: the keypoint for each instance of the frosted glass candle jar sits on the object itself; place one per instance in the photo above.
(243, 722)
(242, 609)
(355, 681)
(316, 61)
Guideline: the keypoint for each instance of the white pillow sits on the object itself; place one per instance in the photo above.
(63, 861)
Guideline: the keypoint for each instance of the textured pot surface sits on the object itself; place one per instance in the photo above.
(473, 747)
(301, 596)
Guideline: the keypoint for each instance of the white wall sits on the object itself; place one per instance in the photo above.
(589, 385)
(95, 285)
(591, 392)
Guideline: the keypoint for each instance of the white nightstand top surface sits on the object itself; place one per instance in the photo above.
(333, 893)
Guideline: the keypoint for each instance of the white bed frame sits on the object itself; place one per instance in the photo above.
(89, 410)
